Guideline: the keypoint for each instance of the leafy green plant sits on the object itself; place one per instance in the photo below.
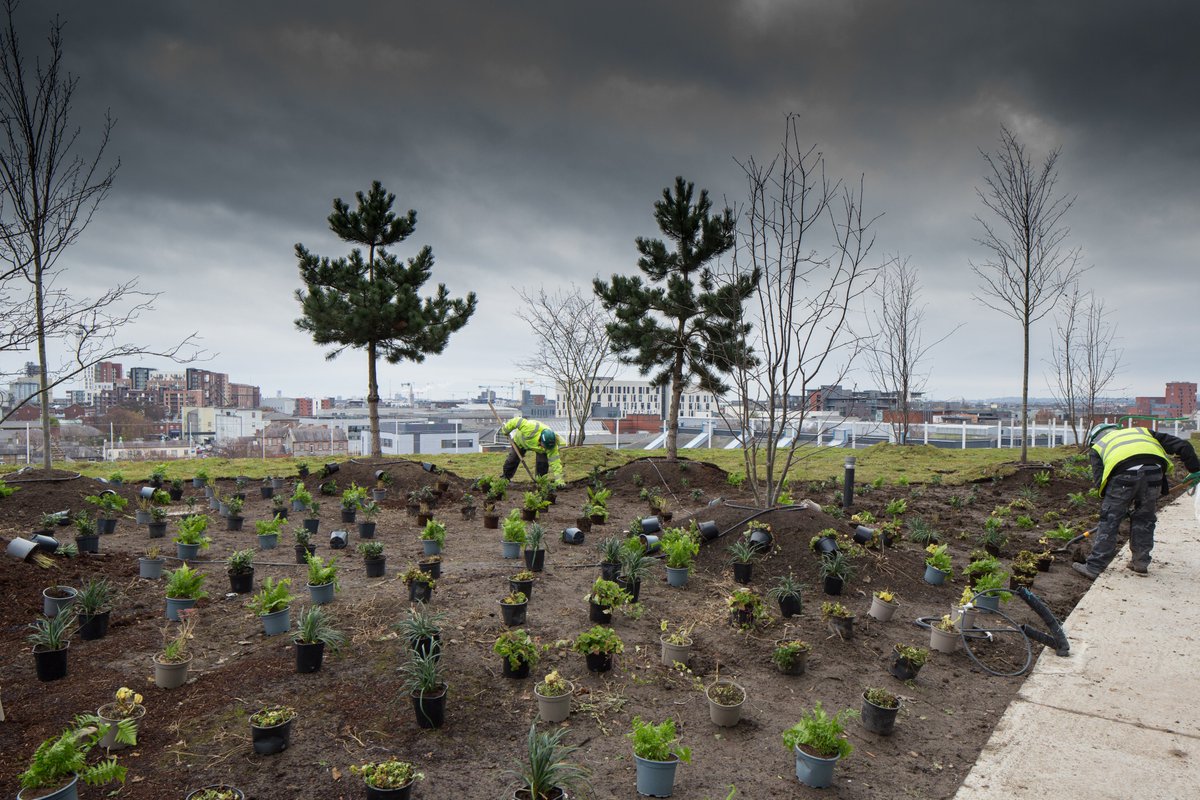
(598, 639)
(234, 505)
(321, 572)
(186, 583)
(518, 647)
(1062, 532)
(939, 558)
(679, 547)
(837, 610)
(820, 733)
(272, 716)
(390, 774)
(316, 625)
(301, 495)
(548, 767)
(736, 479)
(240, 562)
(369, 510)
(915, 656)
(746, 600)
(991, 581)
(1077, 499)
(267, 527)
(881, 697)
(60, 757)
(1024, 522)
(785, 653)
(896, 507)
(956, 501)
(979, 567)
(417, 575)
(275, 595)
(109, 504)
(657, 742)
(607, 594)
(513, 527)
(434, 531)
(354, 497)
(191, 531)
(533, 501)
(371, 550)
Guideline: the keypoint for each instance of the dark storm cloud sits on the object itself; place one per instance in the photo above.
(532, 139)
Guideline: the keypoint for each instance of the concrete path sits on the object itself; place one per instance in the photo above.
(1120, 717)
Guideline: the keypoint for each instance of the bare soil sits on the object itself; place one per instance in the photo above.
(354, 709)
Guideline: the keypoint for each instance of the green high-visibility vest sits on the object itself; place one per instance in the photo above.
(1116, 446)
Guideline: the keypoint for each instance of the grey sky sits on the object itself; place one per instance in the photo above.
(533, 138)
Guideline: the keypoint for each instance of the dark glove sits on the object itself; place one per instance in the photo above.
(1193, 478)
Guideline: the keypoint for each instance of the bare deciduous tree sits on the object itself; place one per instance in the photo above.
(810, 241)
(573, 348)
(897, 348)
(48, 194)
(1085, 358)
(1029, 262)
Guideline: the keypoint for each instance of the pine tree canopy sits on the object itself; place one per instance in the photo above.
(682, 323)
(356, 301)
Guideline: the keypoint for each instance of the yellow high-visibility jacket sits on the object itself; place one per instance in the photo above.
(528, 437)
(1116, 446)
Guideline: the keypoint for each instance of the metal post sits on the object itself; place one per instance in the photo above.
(964, 434)
(848, 483)
(925, 434)
(618, 440)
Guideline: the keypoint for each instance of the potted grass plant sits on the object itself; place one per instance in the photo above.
(172, 661)
(421, 630)
(51, 639)
(422, 678)
(93, 604)
(314, 634)
(835, 569)
(788, 593)
(547, 772)
(535, 547)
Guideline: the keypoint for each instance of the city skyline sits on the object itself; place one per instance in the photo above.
(532, 145)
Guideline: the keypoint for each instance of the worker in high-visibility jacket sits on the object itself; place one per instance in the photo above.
(529, 434)
(1130, 467)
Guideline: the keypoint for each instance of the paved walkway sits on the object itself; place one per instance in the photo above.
(1120, 717)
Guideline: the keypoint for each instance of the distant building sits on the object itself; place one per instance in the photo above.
(304, 407)
(1179, 400)
(139, 378)
(316, 440)
(626, 398)
(405, 438)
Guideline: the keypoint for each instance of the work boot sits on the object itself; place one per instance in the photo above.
(1083, 570)
(1137, 569)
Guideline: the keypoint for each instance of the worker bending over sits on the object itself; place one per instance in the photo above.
(529, 434)
(1130, 467)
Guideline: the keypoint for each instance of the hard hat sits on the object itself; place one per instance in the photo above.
(1096, 430)
(547, 438)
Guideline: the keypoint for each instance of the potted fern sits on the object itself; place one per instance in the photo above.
(433, 537)
(273, 605)
(315, 633)
(818, 741)
(185, 586)
(322, 579)
(191, 539)
(680, 548)
(533, 504)
(268, 532)
(61, 762)
(512, 535)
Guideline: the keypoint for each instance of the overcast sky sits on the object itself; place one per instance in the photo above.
(533, 138)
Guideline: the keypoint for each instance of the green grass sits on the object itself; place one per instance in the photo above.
(917, 463)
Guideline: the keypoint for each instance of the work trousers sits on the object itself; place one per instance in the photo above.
(1133, 494)
(513, 461)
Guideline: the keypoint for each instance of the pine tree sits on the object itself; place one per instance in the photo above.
(373, 304)
(683, 323)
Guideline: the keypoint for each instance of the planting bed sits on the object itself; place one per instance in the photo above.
(353, 709)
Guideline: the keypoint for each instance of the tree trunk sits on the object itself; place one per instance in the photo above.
(373, 401)
(43, 378)
(673, 411)
(1025, 398)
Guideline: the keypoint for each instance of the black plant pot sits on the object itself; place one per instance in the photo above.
(349, 515)
(992, 550)
(826, 545)
(403, 793)
(634, 589)
(431, 568)
(234, 523)
(88, 544)
(420, 592)
(610, 572)
(790, 606)
(94, 626)
(524, 587)
(309, 656)
(535, 560)
(877, 719)
(598, 519)
(51, 665)
(903, 669)
(157, 530)
(760, 540)
(709, 531)
(598, 662)
(833, 586)
(366, 530)
(430, 709)
(302, 550)
(528, 516)
(241, 582)
(584, 524)
(740, 618)
(267, 492)
(598, 615)
(572, 536)
(269, 741)
(514, 614)
(742, 572)
(106, 526)
(376, 566)
(519, 673)
(175, 494)
(311, 525)
(280, 512)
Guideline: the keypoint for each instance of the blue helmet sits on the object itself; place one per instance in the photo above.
(547, 438)
(1098, 430)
